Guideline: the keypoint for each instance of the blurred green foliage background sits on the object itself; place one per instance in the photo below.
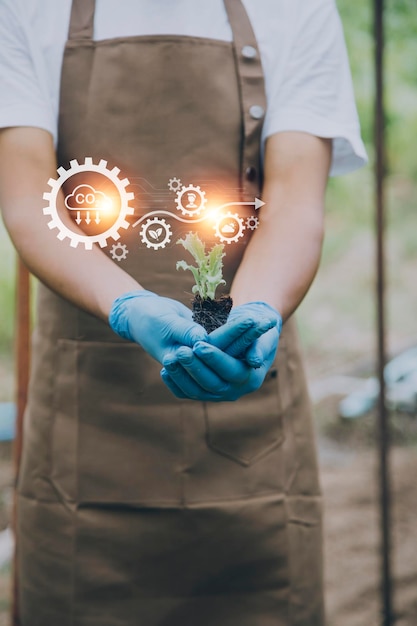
(338, 316)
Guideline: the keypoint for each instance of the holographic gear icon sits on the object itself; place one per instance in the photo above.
(119, 251)
(229, 227)
(190, 194)
(252, 222)
(156, 233)
(174, 184)
(63, 230)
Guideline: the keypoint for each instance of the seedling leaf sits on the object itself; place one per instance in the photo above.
(207, 272)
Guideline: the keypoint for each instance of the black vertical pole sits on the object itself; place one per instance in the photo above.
(383, 423)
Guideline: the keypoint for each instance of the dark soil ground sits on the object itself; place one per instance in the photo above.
(352, 536)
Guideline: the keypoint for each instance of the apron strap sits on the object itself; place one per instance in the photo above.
(82, 19)
(253, 97)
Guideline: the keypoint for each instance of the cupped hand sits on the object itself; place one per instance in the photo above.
(208, 374)
(249, 332)
(160, 325)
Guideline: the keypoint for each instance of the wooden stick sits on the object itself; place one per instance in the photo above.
(22, 360)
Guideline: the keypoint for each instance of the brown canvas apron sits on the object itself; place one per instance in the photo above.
(135, 508)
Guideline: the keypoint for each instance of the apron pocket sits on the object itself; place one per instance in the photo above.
(117, 437)
(249, 428)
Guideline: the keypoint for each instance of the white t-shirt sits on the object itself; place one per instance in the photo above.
(307, 74)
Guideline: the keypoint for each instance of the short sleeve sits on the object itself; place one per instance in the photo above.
(313, 93)
(24, 99)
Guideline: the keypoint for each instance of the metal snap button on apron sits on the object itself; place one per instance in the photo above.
(250, 174)
(256, 112)
(249, 52)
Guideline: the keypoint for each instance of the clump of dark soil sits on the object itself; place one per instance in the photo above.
(211, 314)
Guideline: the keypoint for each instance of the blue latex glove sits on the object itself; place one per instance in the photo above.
(160, 325)
(254, 343)
(207, 373)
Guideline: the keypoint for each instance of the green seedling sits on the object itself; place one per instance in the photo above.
(208, 271)
(208, 276)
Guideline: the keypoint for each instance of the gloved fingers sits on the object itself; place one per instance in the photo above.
(183, 385)
(263, 350)
(171, 385)
(239, 347)
(228, 368)
(203, 375)
(186, 383)
(226, 335)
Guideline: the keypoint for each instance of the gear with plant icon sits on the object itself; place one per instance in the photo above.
(156, 233)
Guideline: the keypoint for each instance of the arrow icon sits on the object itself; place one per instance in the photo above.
(78, 219)
(87, 218)
(97, 220)
(257, 203)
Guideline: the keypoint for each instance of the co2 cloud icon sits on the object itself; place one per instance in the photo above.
(84, 198)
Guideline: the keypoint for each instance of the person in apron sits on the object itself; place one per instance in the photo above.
(136, 504)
